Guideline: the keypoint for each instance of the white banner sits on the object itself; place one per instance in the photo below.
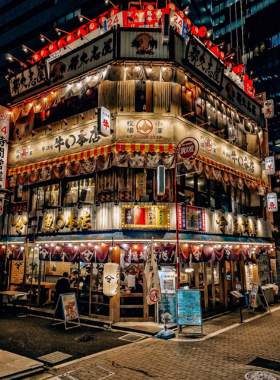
(272, 202)
(4, 138)
(270, 165)
(152, 277)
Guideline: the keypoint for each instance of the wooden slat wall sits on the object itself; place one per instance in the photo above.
(126, 96)
(107, 95)
(176, 99)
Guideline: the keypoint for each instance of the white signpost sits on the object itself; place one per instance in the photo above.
(270, 165)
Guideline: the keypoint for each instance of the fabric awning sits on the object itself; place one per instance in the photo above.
(102, 150)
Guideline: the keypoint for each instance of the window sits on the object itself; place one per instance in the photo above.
(61, 20)
(82, 190)
(222, 18)
(216, 21)
(69, 16)
(216, 9)
(189, 191)
(45, 196)
(222, 6)
(77, 12)
(259, 6)
(253, 10)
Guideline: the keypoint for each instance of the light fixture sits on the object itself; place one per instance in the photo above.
(81, 17)
(83, 116)
(11, 57)
(26, 48)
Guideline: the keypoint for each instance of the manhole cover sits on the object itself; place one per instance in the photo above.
(54, 357)
(92, 371)
(132, 337)
(260, 375)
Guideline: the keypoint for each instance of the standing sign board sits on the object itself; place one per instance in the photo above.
(4, 138)
(69, 308)
(254, 299)
(166, 308)
(189, 310)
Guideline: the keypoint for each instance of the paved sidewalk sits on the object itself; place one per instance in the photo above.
(225, 356)
(12, 365)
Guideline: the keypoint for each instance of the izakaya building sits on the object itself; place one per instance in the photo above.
(96, 123)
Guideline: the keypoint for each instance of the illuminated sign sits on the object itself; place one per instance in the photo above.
(104, 124)
(147, 217)
(270, 165)
(272, 202)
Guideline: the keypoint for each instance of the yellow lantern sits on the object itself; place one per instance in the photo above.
(110, 279)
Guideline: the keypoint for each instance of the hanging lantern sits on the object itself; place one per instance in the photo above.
(149, 7)
(81, 32)
(208, 44)
(222, 55)
(194, 30)
(93, 26)
(52, 48)
(188, 22)
(36, 57)
(61, 43)
(181, 14)
(70, 38)
(43, 53)
(171, 6)
(110, 279)
(215, 50)
(113, 12)
(102, 19)
(202, 31)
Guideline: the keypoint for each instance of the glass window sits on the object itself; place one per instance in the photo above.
(265, 3)
(82, 190)
(189, 182)
(69, 16)
(259, 6)
(77, 12)
(216, 9)
(253, 10)
(45, 196)
(275, 40)
(222, 5)
(226, 3)
(222, 18)
(202, 185)
(61, 20)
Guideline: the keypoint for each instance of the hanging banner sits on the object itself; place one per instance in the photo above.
(270, 165)
(152, 277)
(113, 21)
(4, 138)
(191, 218)
(272, 202)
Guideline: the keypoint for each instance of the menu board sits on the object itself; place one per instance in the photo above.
(167, 281)
(69, 306)
(17, 272)
(191, 218)
(167, 307)
(263, 269)
(189, 311)
(145, 217)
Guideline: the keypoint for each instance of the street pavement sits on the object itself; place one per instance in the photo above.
(225, 356)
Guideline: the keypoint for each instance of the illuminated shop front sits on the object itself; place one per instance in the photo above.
(93, 145)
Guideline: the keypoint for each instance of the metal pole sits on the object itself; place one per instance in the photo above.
(5, 277)
(176, 212)
(32, 269)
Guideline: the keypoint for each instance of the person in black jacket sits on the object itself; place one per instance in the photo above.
(62, 286)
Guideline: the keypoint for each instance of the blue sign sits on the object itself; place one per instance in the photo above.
(167, 306)
(184, 30)
(189, 311)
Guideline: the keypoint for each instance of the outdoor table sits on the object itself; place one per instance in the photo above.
(12, 296)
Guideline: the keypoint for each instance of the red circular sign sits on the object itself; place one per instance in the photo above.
(188, 148)
(154, 295)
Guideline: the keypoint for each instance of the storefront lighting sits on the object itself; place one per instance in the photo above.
(26, 48)
(95, 246)
(52, 244)
(3, 246)
(10, 58)
(82, 244)
(81, 17)
(135, 246)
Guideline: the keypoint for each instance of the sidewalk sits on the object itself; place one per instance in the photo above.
(224, 356)
(13, 366)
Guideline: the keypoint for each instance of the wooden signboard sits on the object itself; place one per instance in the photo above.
(17, 272)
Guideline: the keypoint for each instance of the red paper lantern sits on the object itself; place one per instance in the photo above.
(238, 69)
(36, 57)
(171, 6)
(222, 55)
(194, 30)
(61, 43)
(149, 7)
(70, 38)
(202, 31)
(215, 50)
(245, 77)
(181, 14)
(188, 22)
(102, 19)
(81, 32)
(133, 9)
(92, 26)
(43, 53)
(52, 48)
(113, 12)
(208, 44)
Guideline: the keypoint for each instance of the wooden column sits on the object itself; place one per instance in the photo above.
(196, 276)
(225, 284)
(221, 285)
(242, 275)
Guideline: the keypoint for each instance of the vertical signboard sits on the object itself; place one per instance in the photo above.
(160, 180)
(268, 109)
(104, 124)
(4, 138)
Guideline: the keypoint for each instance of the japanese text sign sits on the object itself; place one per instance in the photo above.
(103, 126)
(145, 217)
(268, 109)
(28, 79)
